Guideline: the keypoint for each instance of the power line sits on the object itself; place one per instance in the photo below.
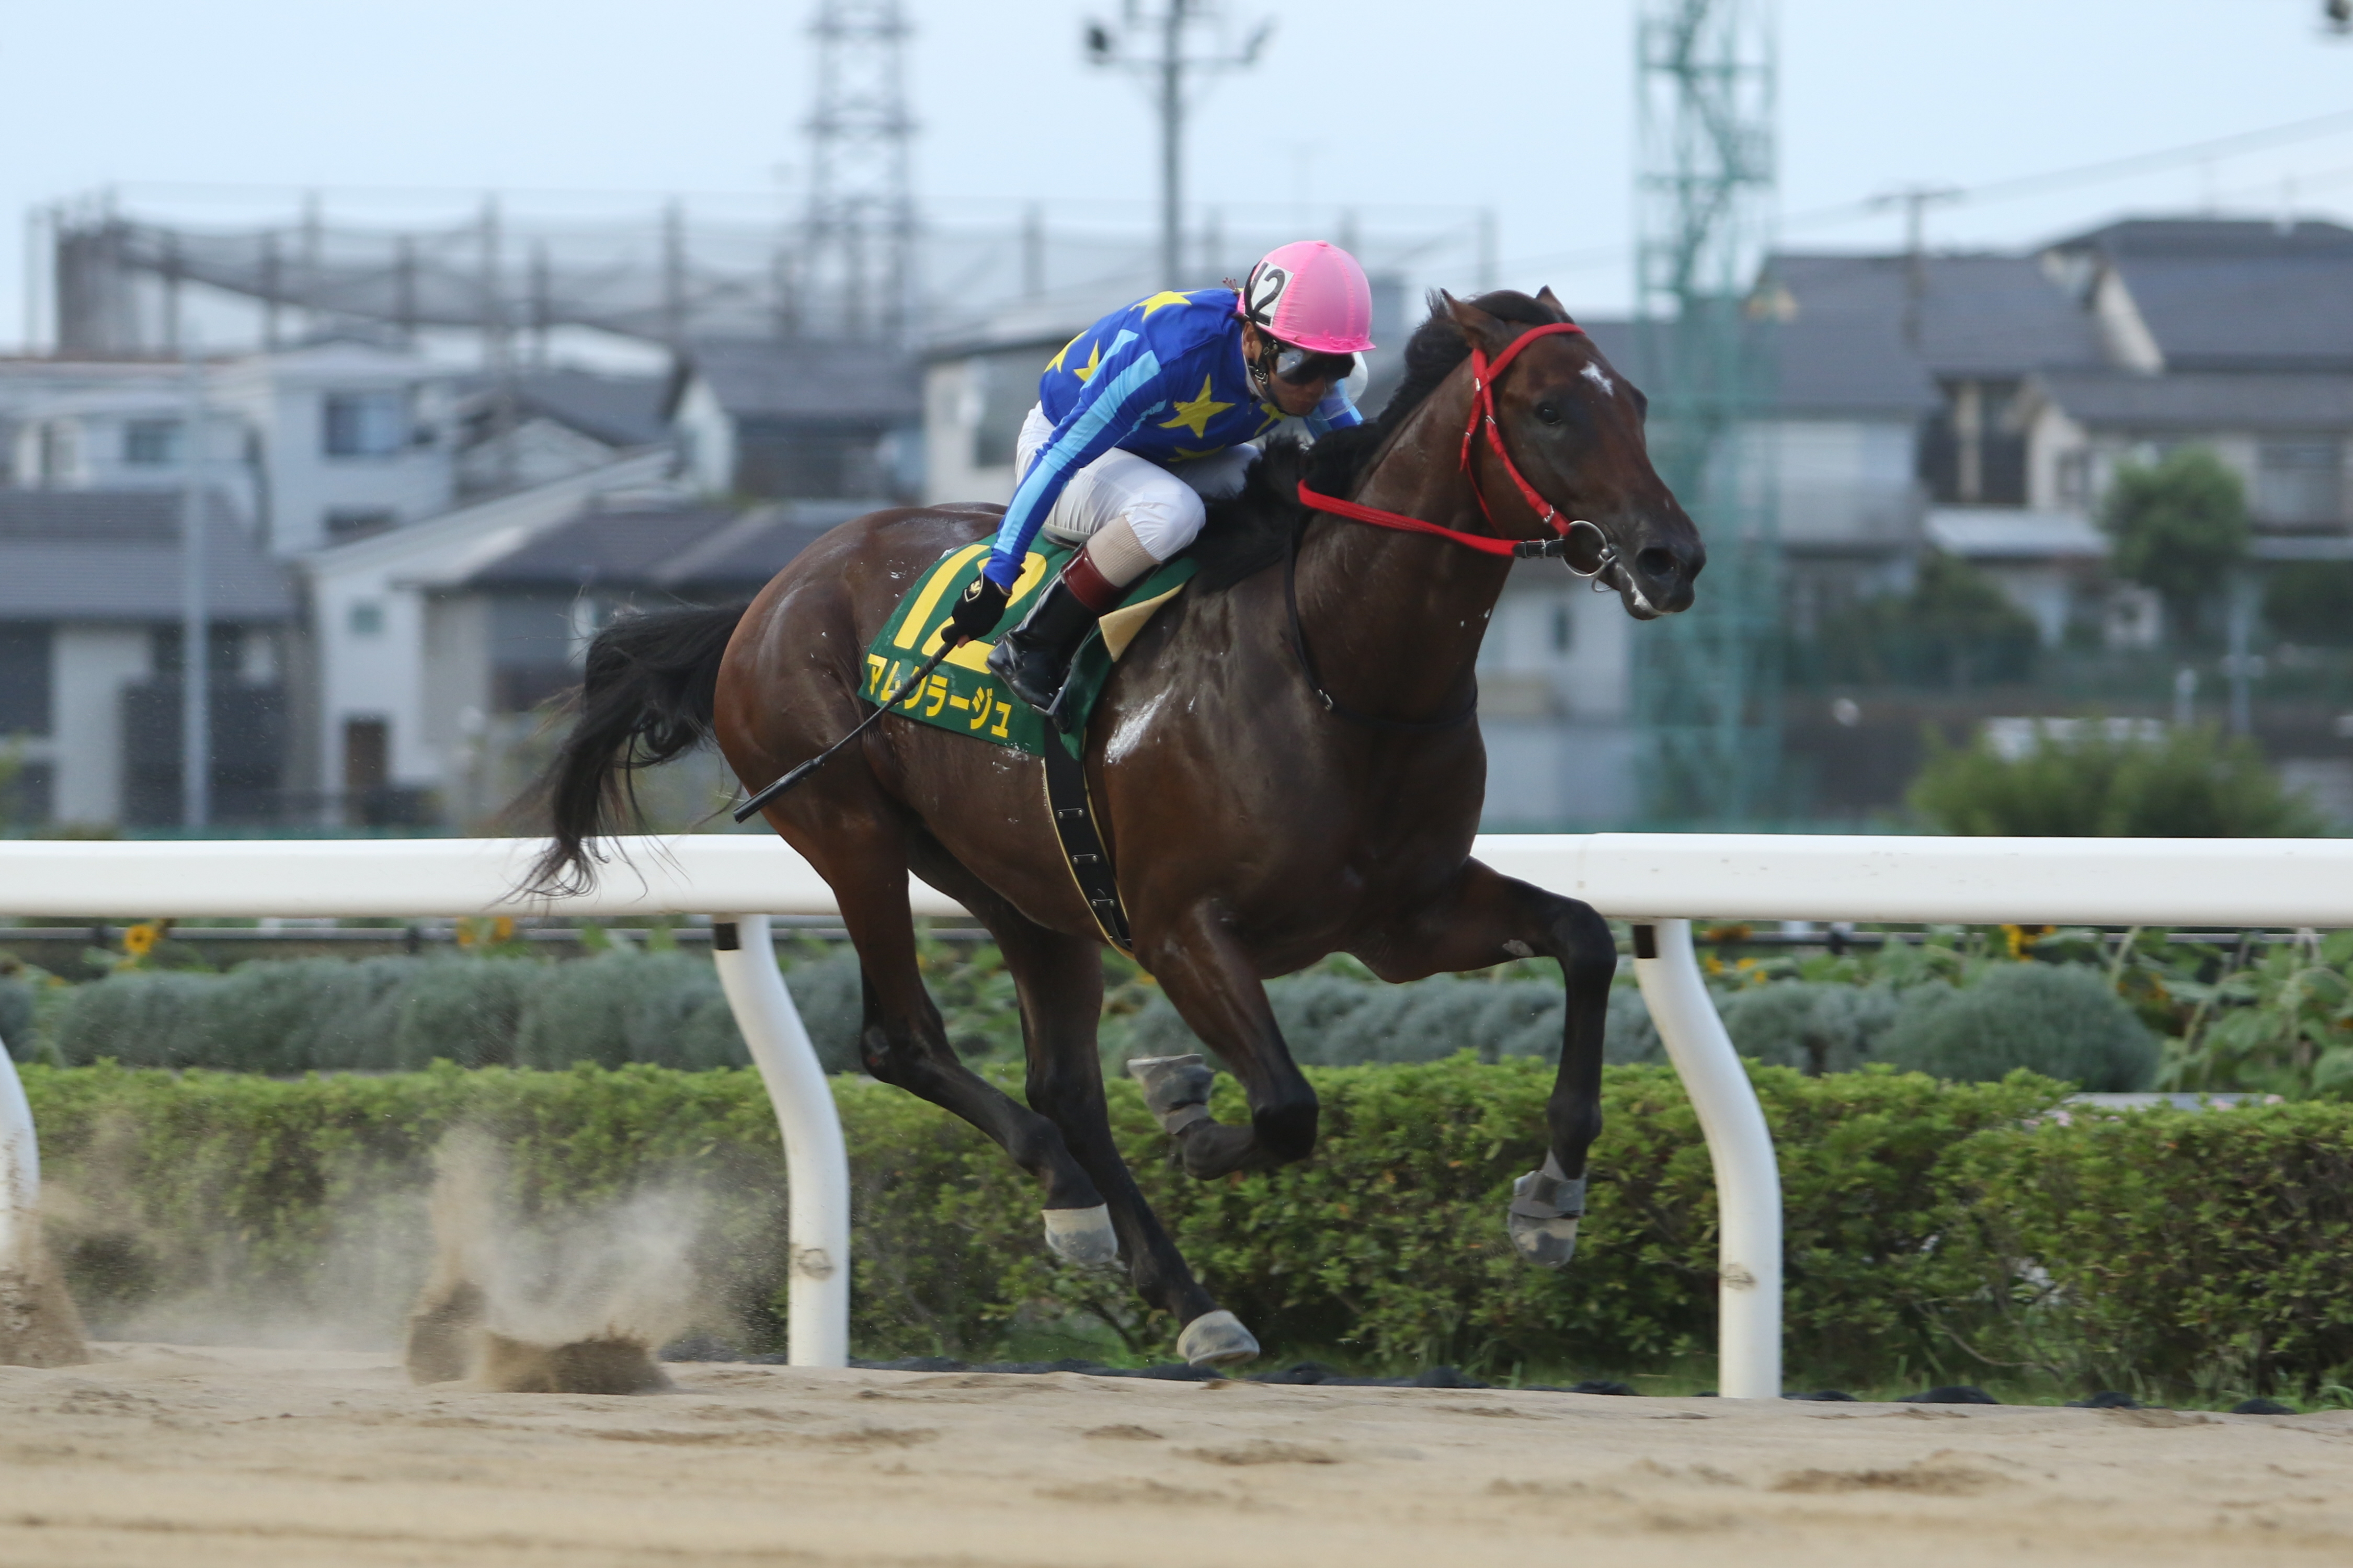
(2294, 131)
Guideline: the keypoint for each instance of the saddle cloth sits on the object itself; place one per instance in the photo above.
(961, 695)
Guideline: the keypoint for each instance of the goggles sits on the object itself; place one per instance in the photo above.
(1304, 367)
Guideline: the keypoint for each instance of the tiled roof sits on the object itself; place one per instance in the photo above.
(808, 381)
(2235, 295)
(99, 555)
(2208, 401)
(691, 551)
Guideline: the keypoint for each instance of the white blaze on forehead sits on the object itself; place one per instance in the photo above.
(1600, 378)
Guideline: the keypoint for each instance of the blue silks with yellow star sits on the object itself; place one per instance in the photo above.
(962, 695)
(1163, 378)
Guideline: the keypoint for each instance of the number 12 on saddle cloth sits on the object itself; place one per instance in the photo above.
(961, 695)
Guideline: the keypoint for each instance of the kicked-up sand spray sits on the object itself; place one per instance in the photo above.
(575, 1306)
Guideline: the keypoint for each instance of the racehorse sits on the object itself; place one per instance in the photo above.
(1286, 764)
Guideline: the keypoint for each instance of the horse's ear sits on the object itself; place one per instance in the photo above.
(1545, 297)
(1488, 331)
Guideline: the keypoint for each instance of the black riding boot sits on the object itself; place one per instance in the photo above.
(1034, 657)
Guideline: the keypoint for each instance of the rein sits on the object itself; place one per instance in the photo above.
(1483, 410)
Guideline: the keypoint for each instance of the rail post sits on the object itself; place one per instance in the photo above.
(816, 1162)
(1739, 1148)
(20, 1167)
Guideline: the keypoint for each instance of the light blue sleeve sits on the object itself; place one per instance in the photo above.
(1334, 412)
(1118, 400)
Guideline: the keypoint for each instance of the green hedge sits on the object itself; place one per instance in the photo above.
(379, 1014)
(1975, 1020)
(2182, 1247)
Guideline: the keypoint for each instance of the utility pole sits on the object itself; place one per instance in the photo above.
(1916, 200)
(195, 611)
(1165, 68)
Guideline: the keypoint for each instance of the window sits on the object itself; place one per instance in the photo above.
(365, 423)
(1971, 453)
(25, 654)
(2300, 482)
(151, 443)
(366, 619)
(2075, 478)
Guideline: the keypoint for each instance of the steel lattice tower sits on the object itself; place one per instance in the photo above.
(1707, 682)
(857, 264)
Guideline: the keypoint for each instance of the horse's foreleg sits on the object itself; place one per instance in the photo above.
(1060, 981)
(903, 1042)
(1487, 918)
(1216, 989)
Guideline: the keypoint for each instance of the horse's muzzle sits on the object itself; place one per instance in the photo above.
(1660, 580)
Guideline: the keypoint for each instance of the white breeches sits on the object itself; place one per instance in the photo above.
(1164, 506)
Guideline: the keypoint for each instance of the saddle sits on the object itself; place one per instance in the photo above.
(964, 698)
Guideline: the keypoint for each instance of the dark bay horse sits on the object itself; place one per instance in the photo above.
(1255, 828)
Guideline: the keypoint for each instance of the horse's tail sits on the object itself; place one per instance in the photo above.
(651, 682)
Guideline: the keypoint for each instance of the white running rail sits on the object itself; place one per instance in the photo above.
(1657, 881)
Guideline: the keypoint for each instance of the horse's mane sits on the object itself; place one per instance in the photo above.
(1249, 532)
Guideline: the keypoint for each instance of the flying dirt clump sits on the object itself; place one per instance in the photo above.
(570, 1307)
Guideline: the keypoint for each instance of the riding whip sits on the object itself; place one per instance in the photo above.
(744, 812)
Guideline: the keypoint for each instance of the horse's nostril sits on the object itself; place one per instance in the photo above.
(1657, 561)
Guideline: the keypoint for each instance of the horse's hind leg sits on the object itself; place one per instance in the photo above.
(903, 1041)
(1216, 989)
(1059, 982)
(1484, 918)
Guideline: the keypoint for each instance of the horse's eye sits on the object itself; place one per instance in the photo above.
(1548, 411)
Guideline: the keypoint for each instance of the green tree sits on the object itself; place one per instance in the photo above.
(1955, 628)
(2179, 527)
(2194, 783)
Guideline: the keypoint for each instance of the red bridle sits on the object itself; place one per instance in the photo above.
(1483, 376)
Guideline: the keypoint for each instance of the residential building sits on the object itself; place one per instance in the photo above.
(91, 665)
(314, 446)
(543, 425)
(510, 633)
(374, 629)
(29, 384)
(797, 420)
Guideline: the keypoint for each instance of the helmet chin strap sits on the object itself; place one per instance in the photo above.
(1261, 369)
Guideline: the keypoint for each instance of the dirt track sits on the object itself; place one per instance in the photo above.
(255, 1457)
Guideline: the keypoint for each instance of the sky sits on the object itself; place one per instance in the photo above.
(1526, 109)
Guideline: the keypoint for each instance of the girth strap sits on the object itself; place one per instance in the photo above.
(1068, 803)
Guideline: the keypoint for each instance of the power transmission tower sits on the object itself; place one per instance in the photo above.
(1707, 682)
(859, 265)
(1164, 34)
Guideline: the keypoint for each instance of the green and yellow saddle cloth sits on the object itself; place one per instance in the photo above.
(962, 695)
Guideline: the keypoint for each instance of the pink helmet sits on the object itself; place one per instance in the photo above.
(1312, 296)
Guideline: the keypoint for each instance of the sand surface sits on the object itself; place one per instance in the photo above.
(192, 1457)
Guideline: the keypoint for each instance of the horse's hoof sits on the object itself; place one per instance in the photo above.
(1176, 1090)
(1546, 1243)
(1082, 1235)
(1545, 1207)
(1216, 1339)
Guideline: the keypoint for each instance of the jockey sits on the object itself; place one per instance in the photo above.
(1145, 416)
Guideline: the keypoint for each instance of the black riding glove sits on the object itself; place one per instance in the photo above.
(978, 611)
